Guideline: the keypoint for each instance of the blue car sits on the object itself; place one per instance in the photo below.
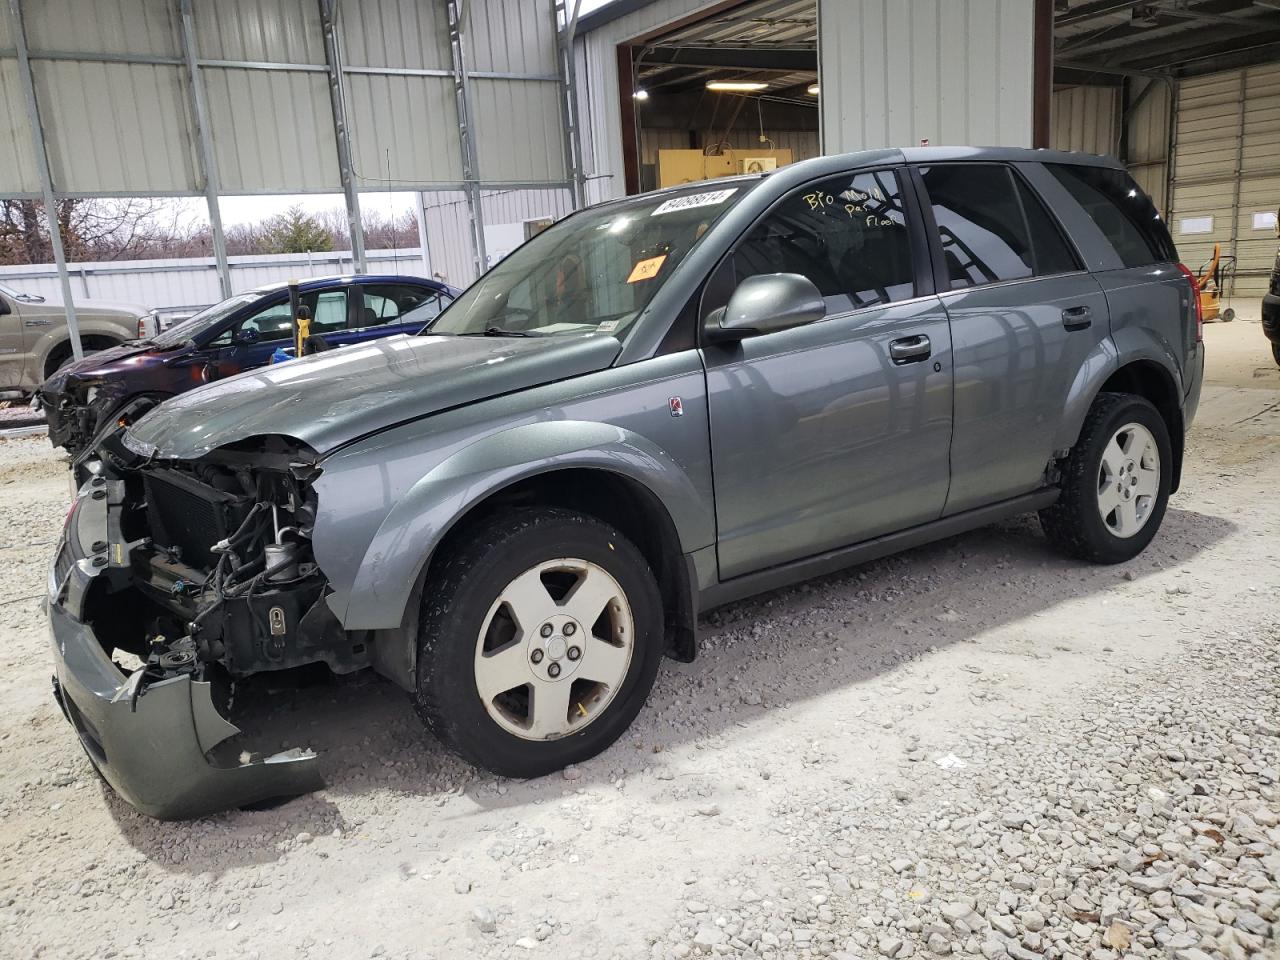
(238, 334)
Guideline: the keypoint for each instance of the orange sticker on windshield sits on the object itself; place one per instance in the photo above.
(646, 269)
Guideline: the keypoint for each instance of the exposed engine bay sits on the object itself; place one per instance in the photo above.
(174, 580)
(218, 551)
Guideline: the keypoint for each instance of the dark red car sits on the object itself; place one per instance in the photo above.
(240, 333)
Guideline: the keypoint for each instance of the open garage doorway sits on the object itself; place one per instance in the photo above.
(731, 91)
(1187, 95)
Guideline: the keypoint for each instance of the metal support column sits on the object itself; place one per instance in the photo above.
(1235, 191)
(204, 140)
(420, 215)
(569, 97)
(457, 11)
(342, 131)
(28, 84)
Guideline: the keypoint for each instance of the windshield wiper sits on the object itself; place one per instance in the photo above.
(496, 331)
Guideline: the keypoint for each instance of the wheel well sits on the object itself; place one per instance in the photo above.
(61, 350)
(616, 500)
(1150, 380)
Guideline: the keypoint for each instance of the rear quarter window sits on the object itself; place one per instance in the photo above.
(1125, 215)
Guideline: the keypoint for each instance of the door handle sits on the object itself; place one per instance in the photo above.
(910, 349)
(38, 322)
(1077, 318)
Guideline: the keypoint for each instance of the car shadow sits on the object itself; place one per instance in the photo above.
(830, 633)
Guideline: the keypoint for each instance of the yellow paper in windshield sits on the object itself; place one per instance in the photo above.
(646, 269)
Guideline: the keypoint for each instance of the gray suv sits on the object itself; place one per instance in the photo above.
(657, 406)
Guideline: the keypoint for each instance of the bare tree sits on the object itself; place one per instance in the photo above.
(136, 229)
(94, 230)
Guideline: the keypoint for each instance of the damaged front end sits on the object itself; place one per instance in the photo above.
(69, 412)
(173, 580)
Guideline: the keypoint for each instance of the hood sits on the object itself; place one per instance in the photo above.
(93, 365)
(101, 308)
(330, 398)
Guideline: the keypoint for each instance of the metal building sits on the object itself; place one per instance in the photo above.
(503, 114)
(1188, 96)
(127, 98)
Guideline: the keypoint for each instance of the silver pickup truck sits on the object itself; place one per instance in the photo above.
(657, 406)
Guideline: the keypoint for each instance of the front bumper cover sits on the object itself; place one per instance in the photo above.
(151, 745)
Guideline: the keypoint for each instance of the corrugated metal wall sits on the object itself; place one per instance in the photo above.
(17, 158)
(1146, 148)
(448, 224)
(1225, 167)
(894, 72)
(116, 105)
(1086, 119)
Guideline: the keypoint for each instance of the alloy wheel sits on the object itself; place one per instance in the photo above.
(1128, 480)
(554, 649)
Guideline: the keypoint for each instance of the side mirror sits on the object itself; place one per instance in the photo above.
(767, 303)
(246, 336)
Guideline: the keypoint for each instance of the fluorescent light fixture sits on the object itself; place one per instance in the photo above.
(736, 86)
(812, 90)
(641, 95)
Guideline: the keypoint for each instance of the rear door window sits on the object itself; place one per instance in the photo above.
(993, 227)
(395, 303)
(847, 234)
(1124, 214)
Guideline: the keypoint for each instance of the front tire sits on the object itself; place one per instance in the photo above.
(539, 642)
(1115, 482)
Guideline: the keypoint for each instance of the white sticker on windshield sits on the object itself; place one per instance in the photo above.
(710, 199)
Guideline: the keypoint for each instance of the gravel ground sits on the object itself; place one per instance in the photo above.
(975, 748)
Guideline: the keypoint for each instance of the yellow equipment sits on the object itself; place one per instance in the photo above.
(1209, 287)
(303, 320)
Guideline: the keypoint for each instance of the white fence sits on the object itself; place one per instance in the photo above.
(181, 284)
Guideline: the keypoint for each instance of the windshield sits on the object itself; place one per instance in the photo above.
(204, 321)
(591, 273)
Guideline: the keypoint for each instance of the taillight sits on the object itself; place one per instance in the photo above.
(1195, 300)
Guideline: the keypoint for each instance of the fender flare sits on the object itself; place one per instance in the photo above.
(393, 564)
(1130, 345)
(52, 340)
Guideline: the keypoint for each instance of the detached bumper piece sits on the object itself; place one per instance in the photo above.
(150, 739)
(153, 752)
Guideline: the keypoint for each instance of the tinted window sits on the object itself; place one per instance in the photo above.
(428, 310)
(847, 234)
(1122, 212)
(993, 227)
(274, 323)
(396, 303)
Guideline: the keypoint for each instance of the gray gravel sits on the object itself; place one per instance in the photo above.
(1144, 825)
(974, 749)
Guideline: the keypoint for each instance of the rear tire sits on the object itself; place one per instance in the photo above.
(514, 613)
(1115, 482)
